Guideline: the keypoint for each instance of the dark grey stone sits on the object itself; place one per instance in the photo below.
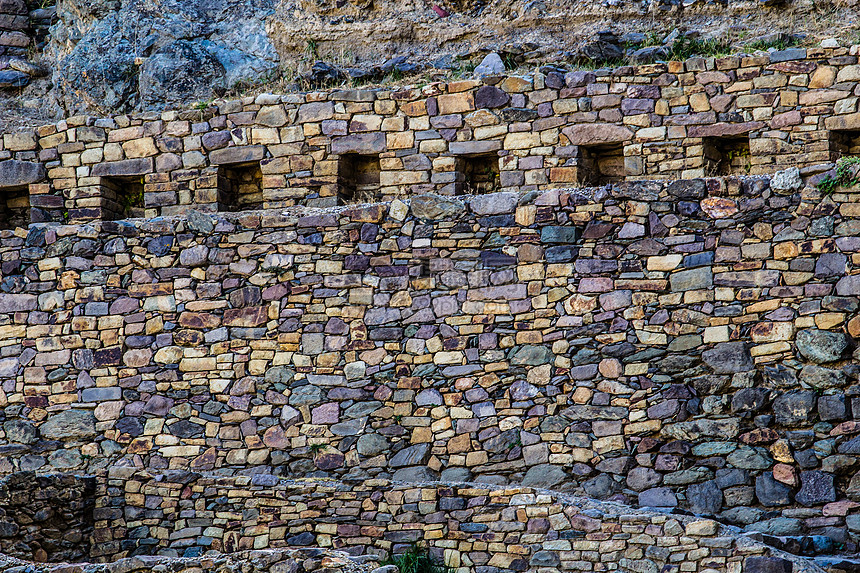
(416, 474)
(20, 431)
(177, 72)
(359, 143)
(767, 565)
(15, 173)
(199, 222)
(816, 488)
(600, 486)
(491, 97)
(794, 408)
(658, 497)
(750, 399)
(770, 492)
(435, 207)
(123, 168)
(705, 498)
(832, 408)
(728, 357)
(411, 456)
(237, 154)
(822, 378)
(545, 476)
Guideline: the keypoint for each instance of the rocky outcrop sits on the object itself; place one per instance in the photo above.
(127, 55)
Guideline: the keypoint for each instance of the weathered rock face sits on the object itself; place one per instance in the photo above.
(114, 55)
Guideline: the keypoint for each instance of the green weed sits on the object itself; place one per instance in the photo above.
(685, 47)
(417, 560)
(845, 176)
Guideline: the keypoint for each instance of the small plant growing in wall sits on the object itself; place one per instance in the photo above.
(847, 175)
(417, 560)
(316, 449)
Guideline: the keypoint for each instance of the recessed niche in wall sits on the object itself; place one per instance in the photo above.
(15, 208)
(240, 187)
(601, 164)
(478, 174)
(727, 155)
(844, 143)
(122, 197)
(358, 178)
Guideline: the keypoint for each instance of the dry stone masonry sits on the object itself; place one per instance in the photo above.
(619, 284)
(702, 117)
(469, 526)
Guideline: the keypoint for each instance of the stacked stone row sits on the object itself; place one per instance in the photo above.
(469, 527)
(299, 560)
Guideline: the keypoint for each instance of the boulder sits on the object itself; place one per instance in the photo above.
(820, 346)
(771, 493)
(544, 476)
(15, 173)
(787, 180)
(435, 207)
(705, 497)
(794, 408)
(728, 358)
(189, 48)
(179, 72)
(69, 425)
(491, 65)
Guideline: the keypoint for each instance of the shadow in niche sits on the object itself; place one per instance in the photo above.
(47, 518)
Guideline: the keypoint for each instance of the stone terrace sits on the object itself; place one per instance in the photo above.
(702, 117)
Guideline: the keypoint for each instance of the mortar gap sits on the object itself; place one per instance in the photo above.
(844, 143)
(15, 208)
(601, 164)
(478, 174)
(358, 178)
(240, 187)
(123, 198)
(728, 155)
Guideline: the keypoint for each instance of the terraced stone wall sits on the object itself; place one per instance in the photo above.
(549, 129)
(668, 344)
(470, 527)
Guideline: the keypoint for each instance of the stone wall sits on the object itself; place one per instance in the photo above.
(705, 116)
(669, 344)
(261, 561)
(14, 23)
(471, 527)
(46, 517)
